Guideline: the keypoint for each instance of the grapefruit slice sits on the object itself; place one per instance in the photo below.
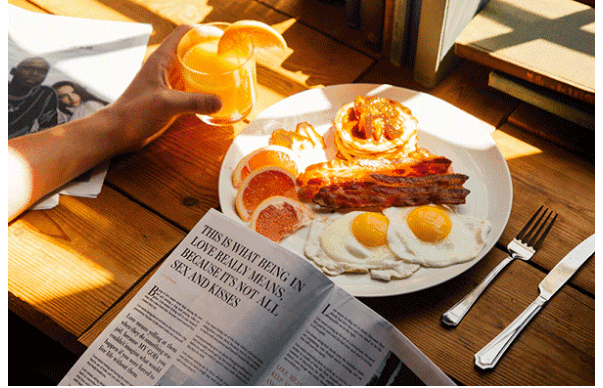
(272, 155)
(277, 217)
(261, 184)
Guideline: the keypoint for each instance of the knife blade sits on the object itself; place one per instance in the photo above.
(489, 356)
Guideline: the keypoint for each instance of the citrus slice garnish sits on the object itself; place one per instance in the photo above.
(263, 183)
(262, 35)
(272, 155)
(277, 217)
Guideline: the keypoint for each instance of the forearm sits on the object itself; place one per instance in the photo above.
(40, 163)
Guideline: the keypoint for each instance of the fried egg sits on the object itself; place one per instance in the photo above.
(435, 236)
(355, 243)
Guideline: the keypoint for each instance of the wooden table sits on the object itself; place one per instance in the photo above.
(72, 268)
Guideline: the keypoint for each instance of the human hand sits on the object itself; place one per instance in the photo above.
(149, 106)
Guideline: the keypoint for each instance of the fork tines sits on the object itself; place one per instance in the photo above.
(529, 236)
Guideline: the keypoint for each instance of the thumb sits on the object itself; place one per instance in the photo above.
(186, 102)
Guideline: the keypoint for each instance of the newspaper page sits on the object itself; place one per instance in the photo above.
(230, 307)
(87, 63)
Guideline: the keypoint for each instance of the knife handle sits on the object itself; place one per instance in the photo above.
(456, 313)
(491, 353)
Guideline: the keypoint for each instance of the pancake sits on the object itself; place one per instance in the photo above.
(375, 127)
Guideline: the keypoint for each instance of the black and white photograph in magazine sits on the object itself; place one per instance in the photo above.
(57, 77)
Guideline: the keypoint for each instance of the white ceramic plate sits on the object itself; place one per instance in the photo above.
(443, 129)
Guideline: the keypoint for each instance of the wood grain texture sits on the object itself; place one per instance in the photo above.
(328, 18)
(563, 133)
(543, 173)
(71, 269)
(177, 175)
(26, 5)
(97, 328)
(546, 353)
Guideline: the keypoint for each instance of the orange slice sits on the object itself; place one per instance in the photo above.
(263, 183)
(277, 217)
(263, 36)
(272, 155)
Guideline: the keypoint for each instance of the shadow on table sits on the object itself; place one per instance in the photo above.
(34, 359)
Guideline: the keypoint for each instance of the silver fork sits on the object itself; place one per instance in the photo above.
(523, 247)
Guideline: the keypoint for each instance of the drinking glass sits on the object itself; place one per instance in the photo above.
(230, 75)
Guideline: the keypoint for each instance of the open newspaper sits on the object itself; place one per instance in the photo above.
(230, 307)
(88, 64)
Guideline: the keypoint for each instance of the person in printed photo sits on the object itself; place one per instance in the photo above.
(75, 101)
(41, 162)
(31, 105)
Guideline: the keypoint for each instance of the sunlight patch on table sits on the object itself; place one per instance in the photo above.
(43, 276)
(511, 147)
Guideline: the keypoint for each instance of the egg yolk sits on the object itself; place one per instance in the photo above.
(429, 223)
(370, 229)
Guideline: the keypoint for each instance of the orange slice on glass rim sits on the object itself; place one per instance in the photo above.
(277, 217)
(272, 155)
(262, 35)
(261, 184)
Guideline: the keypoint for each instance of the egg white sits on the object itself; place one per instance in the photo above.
(466, 239)
(334, 249)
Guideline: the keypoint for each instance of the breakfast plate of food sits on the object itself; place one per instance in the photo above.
(386, 190)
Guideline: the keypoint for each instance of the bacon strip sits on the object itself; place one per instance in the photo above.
(339, 172)
(386, 191)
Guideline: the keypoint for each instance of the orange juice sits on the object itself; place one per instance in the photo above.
(231, 76)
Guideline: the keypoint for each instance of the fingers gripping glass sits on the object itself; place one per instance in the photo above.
(227, 72)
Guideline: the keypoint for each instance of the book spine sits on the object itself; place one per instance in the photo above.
(412, 32)
(545, 99)
(431, 24)
(440, 24)
(388, 24)
(401, 16)
(468, 51)
(372, 15)
(352, 13)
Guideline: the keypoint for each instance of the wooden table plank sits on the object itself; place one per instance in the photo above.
(176, 175)
(544, 173)
(26, 5)
(73, 261)
(327, 17)
(578, 140)
(97, 328)
(546, 353)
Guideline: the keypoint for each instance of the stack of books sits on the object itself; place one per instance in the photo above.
(414, 33)
(542, 51)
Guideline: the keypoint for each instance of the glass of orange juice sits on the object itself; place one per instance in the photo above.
(229, 73)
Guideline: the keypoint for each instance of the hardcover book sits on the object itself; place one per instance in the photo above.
(558, 104)
(550, 43)
(440, 23)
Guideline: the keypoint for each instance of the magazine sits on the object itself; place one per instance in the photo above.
(75, 67)
(231, 307)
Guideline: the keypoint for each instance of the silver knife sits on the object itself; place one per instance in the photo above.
(491, 353)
